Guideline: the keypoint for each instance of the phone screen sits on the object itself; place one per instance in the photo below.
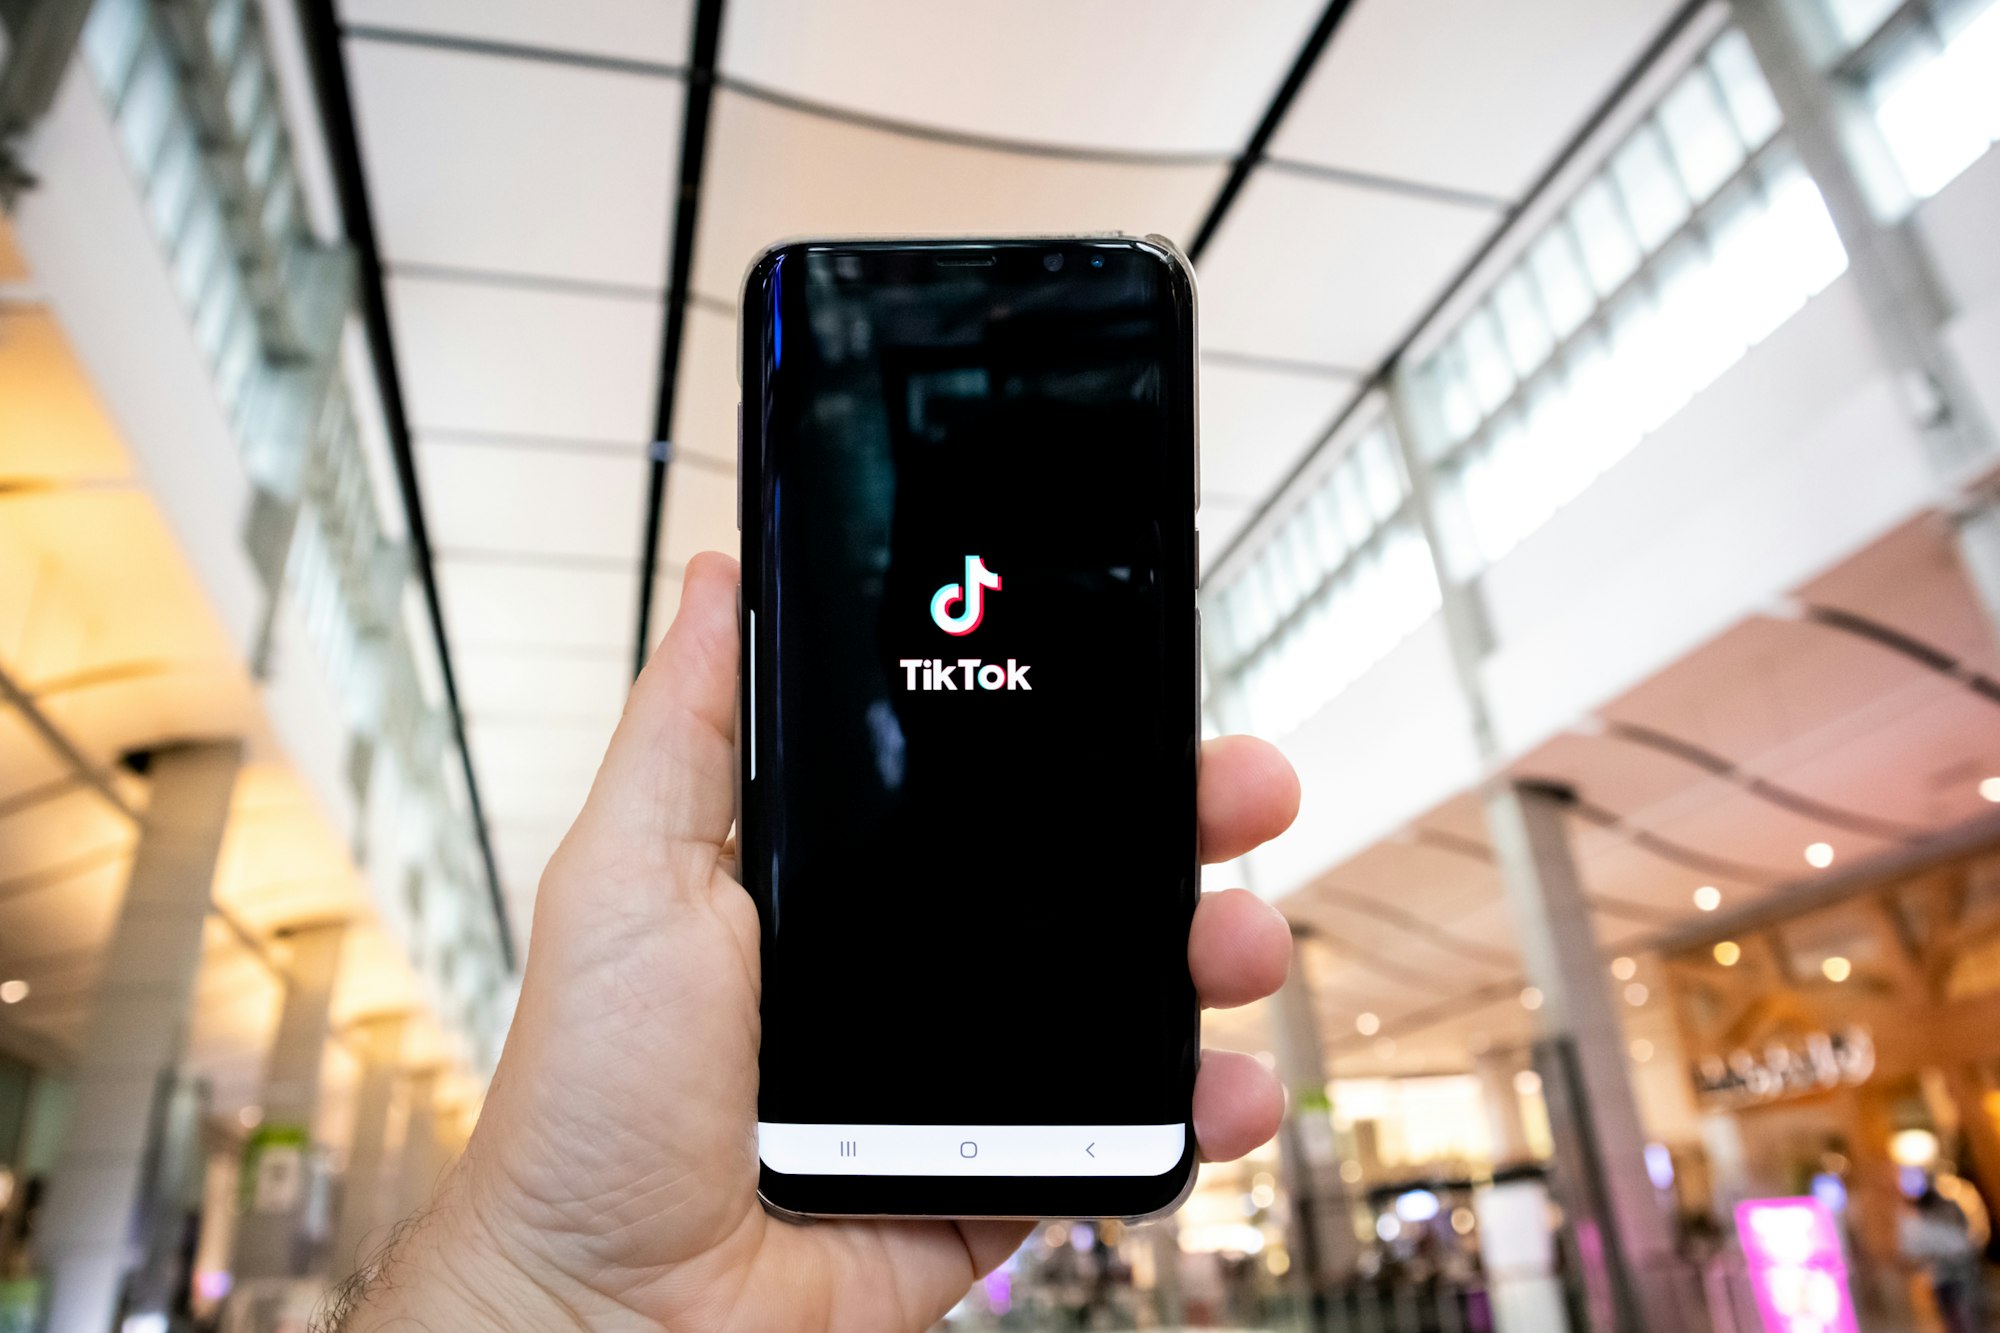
(971, 720)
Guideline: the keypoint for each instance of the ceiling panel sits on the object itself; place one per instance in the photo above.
(526, 362)
(1463, 93)
(562, 502)
(649, 30)
(776, 173)
(519, 166)
(499, 685)
(1329, 273)
(523, 852)
(1142, 75)
(706, 388)
(536, 772)
(538, 608)
(666, 605)
(700, 516)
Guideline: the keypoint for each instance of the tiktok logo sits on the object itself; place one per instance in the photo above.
(970, 595)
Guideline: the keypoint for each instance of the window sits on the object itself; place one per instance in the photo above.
(1935, 89)
(1699, 236)
(1343, 579)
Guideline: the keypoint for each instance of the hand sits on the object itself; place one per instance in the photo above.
(612, 1179)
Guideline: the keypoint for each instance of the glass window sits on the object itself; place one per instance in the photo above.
(1522, 325)
(201, 248)
(1937, 95)
(111, 39)
(226, 22)
(262, 154)
(1381, 481)
(148, 107)
(1751, 105)
(1566, 293)
(246, 92)
(1458, 409)
(1855, 21)
(1486, 362)
(175, 180)
(1705, 145)
(1610, 251)
(1654, 198)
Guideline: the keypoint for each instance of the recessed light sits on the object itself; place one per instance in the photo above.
(250, 1117)
(1837, 968)
(1819, 855)
(13, 992)
(1531, 998)
(1367, 1024)
(1636, 994)
(1642, 1050)
(1527, 1083)
(1989, 790)
(1624, 969)
(1728, 953)
(1708, 897)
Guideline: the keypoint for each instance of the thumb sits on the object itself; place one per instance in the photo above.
(669, 775)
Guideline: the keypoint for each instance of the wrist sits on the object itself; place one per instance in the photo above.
(452, 1267)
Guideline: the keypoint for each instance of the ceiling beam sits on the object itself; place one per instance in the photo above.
(1258, 149)
(702, 55)
(321, 27)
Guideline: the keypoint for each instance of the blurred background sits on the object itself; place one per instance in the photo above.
(1599, 467)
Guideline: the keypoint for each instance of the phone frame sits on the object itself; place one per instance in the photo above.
(803, 1198)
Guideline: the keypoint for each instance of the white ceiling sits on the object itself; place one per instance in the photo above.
(521, 159)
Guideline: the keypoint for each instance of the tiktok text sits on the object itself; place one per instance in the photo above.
(922, 673)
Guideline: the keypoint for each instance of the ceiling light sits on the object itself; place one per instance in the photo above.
(13, 992)
(250, 1117)
(1708, 897)
(1819, 855)
(1527, 1083)
(1989, 790)
(1837, 968)
(1367, 1024)
(1642, 1050)
(1636, 994)
(1350, 1171)
(1624, 969)
(1913, 1147)
(1531, 998)
(1728, 953)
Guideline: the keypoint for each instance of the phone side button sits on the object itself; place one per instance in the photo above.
(739, 465)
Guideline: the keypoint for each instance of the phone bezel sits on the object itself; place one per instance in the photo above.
(808, 1197)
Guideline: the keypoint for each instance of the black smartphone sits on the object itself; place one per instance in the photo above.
(971, 722)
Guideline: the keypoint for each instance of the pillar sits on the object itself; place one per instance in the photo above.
(1631, 1273)
(1321, 1238)
(367, 1196)
(423, 1158)
(1496, 1071)
(271, 1239)
(137, 1031)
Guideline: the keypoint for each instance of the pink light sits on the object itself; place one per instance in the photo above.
(213, 1284)
(999, 1291)
(1796, 1266)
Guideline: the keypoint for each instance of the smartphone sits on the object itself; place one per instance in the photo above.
(970, 723)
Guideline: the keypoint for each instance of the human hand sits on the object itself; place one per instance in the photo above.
(611, 1182)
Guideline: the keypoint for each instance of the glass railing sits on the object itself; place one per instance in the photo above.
(196, 108)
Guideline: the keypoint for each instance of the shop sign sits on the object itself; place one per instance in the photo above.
(1820, 1061)
(1792, 1249)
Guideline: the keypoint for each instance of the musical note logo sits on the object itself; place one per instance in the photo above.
(970, 595)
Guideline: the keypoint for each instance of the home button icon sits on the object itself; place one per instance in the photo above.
(968, 1149)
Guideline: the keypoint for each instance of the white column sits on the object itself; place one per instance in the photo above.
(423, 1158)
(1581, 1056)
(270, 1239)
(367, 1194)
(137, 1031)
(1321, 1239)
